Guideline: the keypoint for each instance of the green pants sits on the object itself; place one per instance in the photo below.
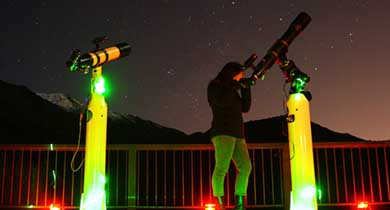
(229, 148)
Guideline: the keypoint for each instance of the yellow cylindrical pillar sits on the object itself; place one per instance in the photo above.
(94, 196)
(303, 196)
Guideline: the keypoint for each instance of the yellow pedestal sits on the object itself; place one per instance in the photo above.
(303, 196)
(94, 196)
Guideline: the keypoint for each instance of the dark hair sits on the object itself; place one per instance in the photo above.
(229, 71)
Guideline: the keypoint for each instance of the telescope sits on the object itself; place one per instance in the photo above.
(93, 196)
(303, 185)
(279, 48)
(83, 62)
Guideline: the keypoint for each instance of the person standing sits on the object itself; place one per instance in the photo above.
(228, 99)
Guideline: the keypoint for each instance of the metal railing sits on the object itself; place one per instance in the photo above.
(179, 176)
(348, 173)
(186, 173)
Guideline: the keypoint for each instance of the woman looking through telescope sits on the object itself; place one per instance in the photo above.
(228, 99)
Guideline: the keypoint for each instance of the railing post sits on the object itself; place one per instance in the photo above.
(132, 177)
(286, 176)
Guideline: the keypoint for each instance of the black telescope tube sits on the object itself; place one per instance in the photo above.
(281, 45)
(124, 49)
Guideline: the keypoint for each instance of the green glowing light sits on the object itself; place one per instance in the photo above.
(299, 84)
(319, 194)
(51, 147)
(54, 176)
(308, 192)
(31, 206)
(99, 85)
(103, 179)
(93, 200)
(299, 81)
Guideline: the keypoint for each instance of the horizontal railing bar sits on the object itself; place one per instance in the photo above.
(125, 147)
(367, 144)
(187, 207)
(353, 204)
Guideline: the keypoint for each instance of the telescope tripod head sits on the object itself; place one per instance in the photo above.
(293, 74)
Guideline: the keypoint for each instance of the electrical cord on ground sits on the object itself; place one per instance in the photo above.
(72, 166)
(292, 155)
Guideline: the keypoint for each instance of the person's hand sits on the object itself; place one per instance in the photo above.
(247, 82)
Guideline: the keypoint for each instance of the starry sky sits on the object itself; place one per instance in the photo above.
(178, 46)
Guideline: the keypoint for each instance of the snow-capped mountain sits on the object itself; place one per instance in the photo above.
(30, 118)
(62, 100)
(70, 104)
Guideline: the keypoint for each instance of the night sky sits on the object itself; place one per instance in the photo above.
(178, 46)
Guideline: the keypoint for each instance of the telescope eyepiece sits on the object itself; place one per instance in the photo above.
(250, 61)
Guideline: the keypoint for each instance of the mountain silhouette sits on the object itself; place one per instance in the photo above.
(35, 118)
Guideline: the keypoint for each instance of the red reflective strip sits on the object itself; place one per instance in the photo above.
(12, 177)
(200, 177)
(47, 176)
(29, 178)
(182, 177)
(378, 173)
(55, 174)
(174, 177)
(3, 178)
(192, 178)
(38, 178)
(361, 173)
(117, 178)
(336, 175)
(20, 178)
(147, 175)
(63, 181)
(387, 175)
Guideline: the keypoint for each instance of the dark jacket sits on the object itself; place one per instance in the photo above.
(227, 107)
